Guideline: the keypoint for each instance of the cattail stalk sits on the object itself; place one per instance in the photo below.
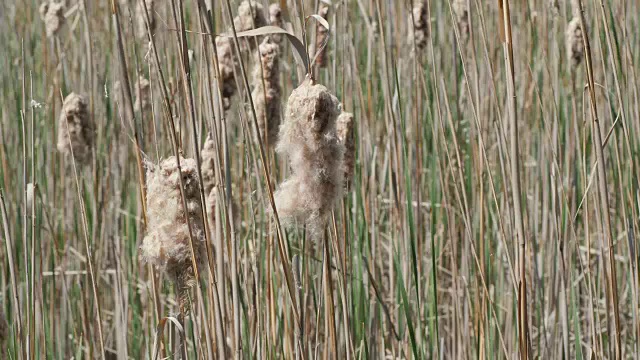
(286, 266)
(523, 327)
(602, 184)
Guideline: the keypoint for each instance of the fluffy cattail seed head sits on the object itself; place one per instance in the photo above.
(226, 64)
(346, 135)
(166, 245)
(554, 5)
(207, 157)
(461, 10)
(266, 93)
(52, 13)
(418, 25)
(574, 42)
(250, 16)
(308, 137)
(143, 95)
(275, 19)
(75, 129)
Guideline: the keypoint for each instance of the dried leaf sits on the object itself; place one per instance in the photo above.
(302, 56)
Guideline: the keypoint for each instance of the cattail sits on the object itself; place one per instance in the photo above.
(555, 6)
(207, 166)
(141, 19)
(143, 95)
(419, 32)
(319, 51)
(346, 136)
(75, 129)
(166, 245)
(275, 19)
(461, 11)
(224, 48)
(575, 44)
(266, 92)
(463, 97)
(308, 137)
(250, 16)
(52, 13)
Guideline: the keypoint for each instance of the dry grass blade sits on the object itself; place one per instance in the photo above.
(302, 56)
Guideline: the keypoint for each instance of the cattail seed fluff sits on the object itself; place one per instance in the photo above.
(224, 48)
(308, 137)
(266, 92)
(461, 11)
(52, 14)
(418, 25)
(166, 245)
(207, 166)
(346, 136)
(143, 95)
(574, 42)
(75, 129)
(250, 16)
(275, 19)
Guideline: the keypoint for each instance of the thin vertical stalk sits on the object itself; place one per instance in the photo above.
(12, 273)
(602, 185)
(523, 328)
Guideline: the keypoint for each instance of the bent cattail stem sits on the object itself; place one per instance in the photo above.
(75, 129)
(308, 137)
(319, 50)
(266, 93)
(461, 10)
(140, 18)
(344, 130)
(226, 64)
(275, 19)
(52, 13)
(166, 245)
(208, 155)
(143, 95)
(418, 25)
(574, 42)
